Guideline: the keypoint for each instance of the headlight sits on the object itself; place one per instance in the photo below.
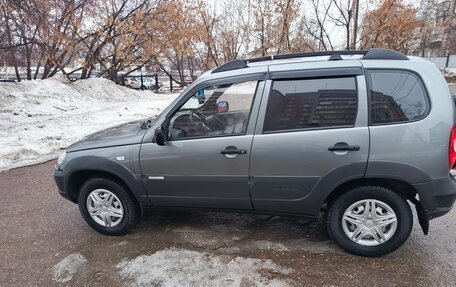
(61, 157)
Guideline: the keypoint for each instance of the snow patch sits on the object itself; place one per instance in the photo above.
(213, 237)
(38, 118)
(181, 267)
(68, 267)
(317, 247)
(268, 245)
(449, 72)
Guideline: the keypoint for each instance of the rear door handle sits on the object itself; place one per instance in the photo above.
(344, 147)
(233, 150)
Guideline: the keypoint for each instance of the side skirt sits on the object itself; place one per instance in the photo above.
(226, 210)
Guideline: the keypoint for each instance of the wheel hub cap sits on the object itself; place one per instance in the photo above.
(369, 222)
(105, 208)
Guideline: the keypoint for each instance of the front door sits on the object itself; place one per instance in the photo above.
(205, 162)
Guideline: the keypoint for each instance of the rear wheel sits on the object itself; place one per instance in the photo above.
(107, 207)
(370, 221)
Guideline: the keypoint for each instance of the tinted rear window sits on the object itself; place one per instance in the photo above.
(311, 103)
(396, 96)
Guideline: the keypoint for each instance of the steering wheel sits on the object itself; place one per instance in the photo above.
(177, 133)
(199, 120)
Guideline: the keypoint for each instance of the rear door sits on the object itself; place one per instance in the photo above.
(311, 135)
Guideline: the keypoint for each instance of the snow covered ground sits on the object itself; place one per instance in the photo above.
(38, 118)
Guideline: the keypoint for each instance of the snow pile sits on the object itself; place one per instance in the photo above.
(450, 76)
(68, 267)
(38, 118)
(449, 72)
(181, 267)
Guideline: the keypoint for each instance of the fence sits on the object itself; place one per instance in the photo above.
(141, 82)
(162, 82)
(443, 62)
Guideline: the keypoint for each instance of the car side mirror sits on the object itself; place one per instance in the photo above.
(223, 107)
(159, 136)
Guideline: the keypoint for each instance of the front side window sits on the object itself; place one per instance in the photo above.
(214, 111)
(396, 96)
(311, 103)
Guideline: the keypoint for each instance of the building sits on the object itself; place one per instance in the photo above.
(437, 34)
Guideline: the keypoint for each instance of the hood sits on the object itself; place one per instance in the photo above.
(125, 134)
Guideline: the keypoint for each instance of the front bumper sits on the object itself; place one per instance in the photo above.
(59, 177)
(437, 197)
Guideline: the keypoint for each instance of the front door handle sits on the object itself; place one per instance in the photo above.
(233, 150)
(341, 146)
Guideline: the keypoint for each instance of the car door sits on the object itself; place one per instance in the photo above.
(205, 162)
(311, 135)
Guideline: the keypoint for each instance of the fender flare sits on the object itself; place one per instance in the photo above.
(101, 164)
(358, 171)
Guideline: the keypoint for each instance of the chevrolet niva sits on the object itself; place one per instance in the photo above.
(358, 136)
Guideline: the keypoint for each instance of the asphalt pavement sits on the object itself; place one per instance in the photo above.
(45, 242)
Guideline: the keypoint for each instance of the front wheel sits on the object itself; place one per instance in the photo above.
(370, 221)
(107, 207)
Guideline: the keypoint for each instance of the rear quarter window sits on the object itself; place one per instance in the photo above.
(396, 96)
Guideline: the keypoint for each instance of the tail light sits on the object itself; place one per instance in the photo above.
(452, 148)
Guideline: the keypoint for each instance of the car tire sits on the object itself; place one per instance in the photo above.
(130, 87)
(369, 221)
(107, 206)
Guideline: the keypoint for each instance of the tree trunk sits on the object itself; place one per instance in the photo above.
(47, 69)
(16, 70)
(355, 25)
(84, 73)
(28, 56)
(37, 71)
(12, 52)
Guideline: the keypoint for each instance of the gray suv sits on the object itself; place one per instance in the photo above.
(353, 135)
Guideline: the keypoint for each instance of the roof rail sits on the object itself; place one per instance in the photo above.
(305, 55)
(384, 54)
(372, 54)
(232, 65)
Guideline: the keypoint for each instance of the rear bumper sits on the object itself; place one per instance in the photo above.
(437, 197)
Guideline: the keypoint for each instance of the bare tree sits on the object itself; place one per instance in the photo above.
(391, 25)
(343, 17)
(204, 43)
(263, 25)
(176, 33)
(316, 24)
(287, 12)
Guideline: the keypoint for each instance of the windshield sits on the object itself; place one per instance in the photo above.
(173, 103)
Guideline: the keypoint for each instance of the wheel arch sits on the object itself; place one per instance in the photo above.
(402, 187)
(79, 170)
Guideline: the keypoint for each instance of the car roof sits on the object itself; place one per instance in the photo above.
(312, 60)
